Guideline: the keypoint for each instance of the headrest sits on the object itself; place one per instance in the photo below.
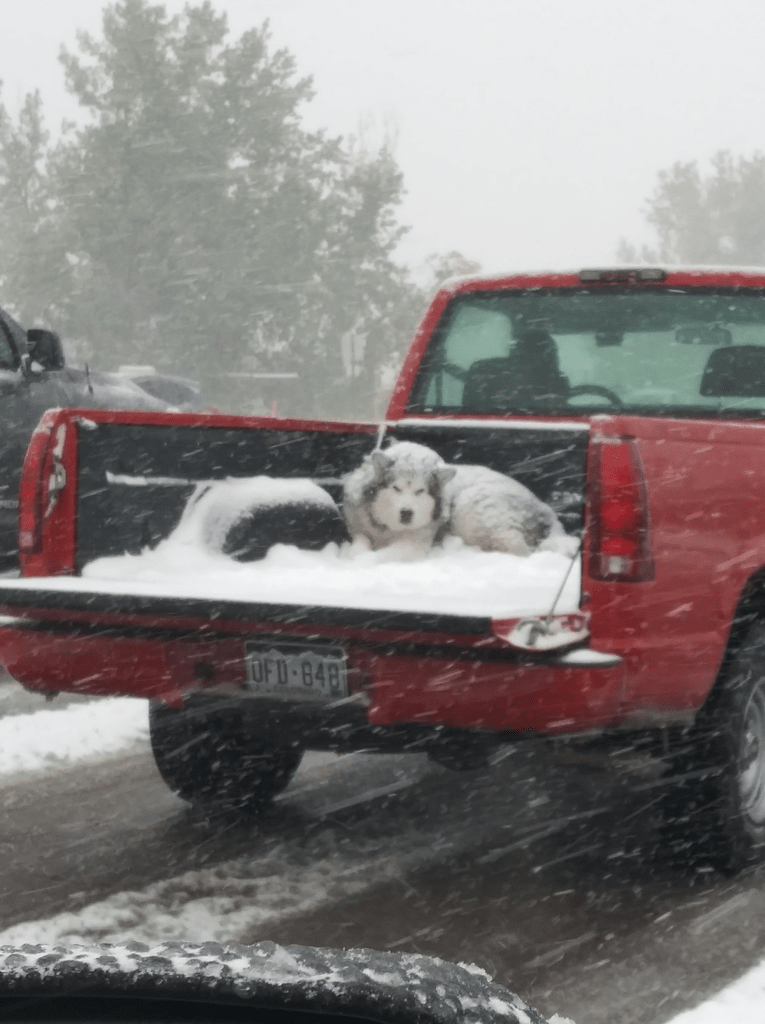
(737, 372)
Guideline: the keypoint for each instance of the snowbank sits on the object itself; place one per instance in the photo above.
(46, 740)
(744, 1000)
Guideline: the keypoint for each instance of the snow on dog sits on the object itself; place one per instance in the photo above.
(407, 498)
(395, 499)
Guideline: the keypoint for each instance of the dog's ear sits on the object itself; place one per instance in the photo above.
(445, 474)
(380, 462)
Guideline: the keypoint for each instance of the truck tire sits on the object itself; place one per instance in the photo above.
(713, 810)
(208, 757)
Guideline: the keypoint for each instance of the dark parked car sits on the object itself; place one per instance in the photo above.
(33, 378)
(182, 393)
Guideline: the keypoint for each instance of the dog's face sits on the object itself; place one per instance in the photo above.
(404, 503)
(406, 497)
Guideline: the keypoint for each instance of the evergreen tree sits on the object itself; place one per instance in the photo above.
(34, 271)
(199, 226)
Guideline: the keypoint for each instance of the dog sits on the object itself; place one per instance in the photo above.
(406, 497)
(395, 499)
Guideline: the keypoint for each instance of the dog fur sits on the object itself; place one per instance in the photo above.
(395, 499)
(406, 497)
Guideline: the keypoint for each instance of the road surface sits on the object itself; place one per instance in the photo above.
(541, 870)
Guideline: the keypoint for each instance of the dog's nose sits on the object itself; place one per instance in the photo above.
(405, 515)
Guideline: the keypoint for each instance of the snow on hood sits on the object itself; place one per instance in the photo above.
(400, 987)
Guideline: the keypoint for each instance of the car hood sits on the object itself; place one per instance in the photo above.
(390, 987)
(95, 389)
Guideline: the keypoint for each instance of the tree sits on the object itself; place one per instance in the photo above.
(33, 268)
(714, 218)
(204, 230)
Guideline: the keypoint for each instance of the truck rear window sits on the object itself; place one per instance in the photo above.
(678, 352)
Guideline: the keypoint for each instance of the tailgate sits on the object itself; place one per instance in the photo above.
(396, 668)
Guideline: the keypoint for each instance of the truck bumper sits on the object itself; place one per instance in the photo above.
(390, 683)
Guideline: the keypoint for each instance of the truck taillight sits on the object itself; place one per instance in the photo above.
(32, 487)
(619, 526)
(47, 498)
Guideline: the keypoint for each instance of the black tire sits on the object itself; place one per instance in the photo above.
(713, 810)
(208, 757)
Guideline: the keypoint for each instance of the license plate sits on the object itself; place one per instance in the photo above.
(296, 672)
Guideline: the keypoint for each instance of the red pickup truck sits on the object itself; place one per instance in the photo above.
(632, 401)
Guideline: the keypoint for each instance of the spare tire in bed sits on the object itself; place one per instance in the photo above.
(244, 517)
(306, 526)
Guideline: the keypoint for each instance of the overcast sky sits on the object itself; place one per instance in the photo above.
(530, 131)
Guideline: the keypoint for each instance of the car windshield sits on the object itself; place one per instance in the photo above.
(298, 647)
(659, 352)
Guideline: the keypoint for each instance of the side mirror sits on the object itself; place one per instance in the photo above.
(45, 349)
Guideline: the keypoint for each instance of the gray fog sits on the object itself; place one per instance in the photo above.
(529, 133)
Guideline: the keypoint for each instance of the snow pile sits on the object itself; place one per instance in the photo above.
(453, 579)
(215, 904)
(45, 740)
(744, 1000)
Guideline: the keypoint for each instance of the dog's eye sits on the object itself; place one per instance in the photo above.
(397, 489)
(421, 491)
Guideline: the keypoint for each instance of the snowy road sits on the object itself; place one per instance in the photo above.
(543, 874)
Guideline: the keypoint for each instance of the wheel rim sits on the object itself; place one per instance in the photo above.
(752, 759)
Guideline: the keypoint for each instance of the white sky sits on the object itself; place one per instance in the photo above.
(530, 131)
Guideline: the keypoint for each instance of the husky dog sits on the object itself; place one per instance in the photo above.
(407, 497)
(395, 498)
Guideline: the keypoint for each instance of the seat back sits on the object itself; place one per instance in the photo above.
(527, 379)
(737, 372)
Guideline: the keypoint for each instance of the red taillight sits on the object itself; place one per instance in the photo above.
(619, 528)
(47, 498)
(32, 486)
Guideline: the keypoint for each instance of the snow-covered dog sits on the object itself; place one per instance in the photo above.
(395, 498)
(407, 497)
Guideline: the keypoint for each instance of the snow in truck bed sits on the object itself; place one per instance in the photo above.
(454, 580)
(451, 579)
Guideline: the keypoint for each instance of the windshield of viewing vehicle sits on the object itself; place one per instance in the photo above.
(659, 352)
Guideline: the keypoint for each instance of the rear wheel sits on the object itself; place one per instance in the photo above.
(206, 755)
(715, 808)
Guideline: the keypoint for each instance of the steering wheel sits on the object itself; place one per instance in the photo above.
(596, 389)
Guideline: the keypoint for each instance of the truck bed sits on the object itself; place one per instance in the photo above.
(135, 474)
